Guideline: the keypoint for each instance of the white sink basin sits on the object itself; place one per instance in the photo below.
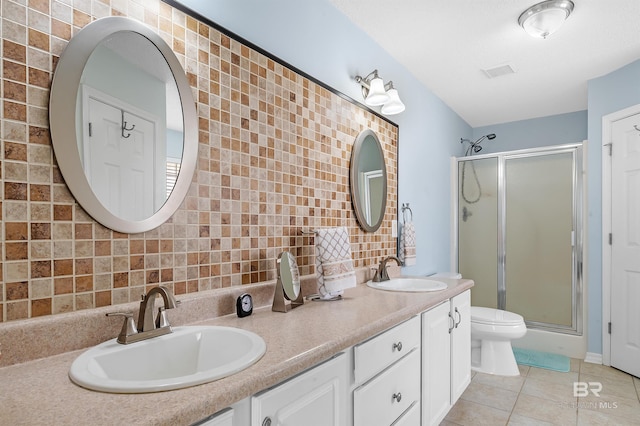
(189, 356)
(412, 284)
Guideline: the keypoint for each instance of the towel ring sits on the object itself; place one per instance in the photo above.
(406, 207)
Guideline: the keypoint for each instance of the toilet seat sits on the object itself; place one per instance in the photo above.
(491, 316)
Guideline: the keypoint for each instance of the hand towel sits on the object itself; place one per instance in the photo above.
(334, 266)
(408, 244)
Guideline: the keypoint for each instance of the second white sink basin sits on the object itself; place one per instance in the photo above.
(411, 284)
(189, 356)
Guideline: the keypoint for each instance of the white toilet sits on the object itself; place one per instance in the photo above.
(491, 333)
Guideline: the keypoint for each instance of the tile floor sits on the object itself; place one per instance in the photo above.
(543, 397)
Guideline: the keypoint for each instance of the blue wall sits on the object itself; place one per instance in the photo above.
(316, 38)
(534, 133)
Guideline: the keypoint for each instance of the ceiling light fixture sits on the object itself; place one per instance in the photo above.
(376, 93)
(543, 19)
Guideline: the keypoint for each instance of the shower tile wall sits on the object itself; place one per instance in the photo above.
(274, 151)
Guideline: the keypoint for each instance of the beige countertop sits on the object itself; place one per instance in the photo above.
(39, 392)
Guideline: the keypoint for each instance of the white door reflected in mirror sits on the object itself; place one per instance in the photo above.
(371, 182)
(125, 166)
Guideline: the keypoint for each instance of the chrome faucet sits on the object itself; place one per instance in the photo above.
(147, 326)
(382, 274)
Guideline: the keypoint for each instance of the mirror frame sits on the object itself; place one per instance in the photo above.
(62, 122)
(355, 185)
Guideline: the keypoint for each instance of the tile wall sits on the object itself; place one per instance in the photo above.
(274, 151)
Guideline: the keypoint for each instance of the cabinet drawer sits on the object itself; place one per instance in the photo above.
(411, 417)
(383, 399)
(381, 351)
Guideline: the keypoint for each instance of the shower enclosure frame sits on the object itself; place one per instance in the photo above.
(577, 284)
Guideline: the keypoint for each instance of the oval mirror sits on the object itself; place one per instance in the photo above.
(123, 124)
(289, 275)
(368, 181)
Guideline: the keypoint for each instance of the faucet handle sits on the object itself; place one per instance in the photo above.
(128, 327)
(162, 320)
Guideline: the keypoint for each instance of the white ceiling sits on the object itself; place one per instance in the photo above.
(446, 44)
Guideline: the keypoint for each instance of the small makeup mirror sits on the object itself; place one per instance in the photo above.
(287, 294)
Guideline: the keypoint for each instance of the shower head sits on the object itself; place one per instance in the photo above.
(475, 146)
(490, 136)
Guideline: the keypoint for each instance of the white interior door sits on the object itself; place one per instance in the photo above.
(625, 245)
(121, 164)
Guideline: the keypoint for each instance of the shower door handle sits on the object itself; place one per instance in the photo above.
(459, 318)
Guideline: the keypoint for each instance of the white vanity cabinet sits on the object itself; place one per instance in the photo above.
(387, 377)
(446, 356)
(409, 375)
(317, 397)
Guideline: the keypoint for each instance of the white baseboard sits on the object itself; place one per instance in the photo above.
(593, 358)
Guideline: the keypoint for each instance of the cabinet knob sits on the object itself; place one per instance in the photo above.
(266, 421)
(397, 397)
(397, 346)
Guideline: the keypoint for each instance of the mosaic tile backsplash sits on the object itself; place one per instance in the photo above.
(274, 153)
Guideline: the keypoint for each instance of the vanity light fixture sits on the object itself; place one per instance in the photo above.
(394, 105)
(543, 19)
(376, 93)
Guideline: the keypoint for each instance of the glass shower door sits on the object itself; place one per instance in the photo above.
(539, 238)
(478, 228)
(519, 233)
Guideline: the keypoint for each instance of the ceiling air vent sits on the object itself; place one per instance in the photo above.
(499, 71)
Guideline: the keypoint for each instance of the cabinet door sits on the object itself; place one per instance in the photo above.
(461, 345)
(316, 398)
(437, 324)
